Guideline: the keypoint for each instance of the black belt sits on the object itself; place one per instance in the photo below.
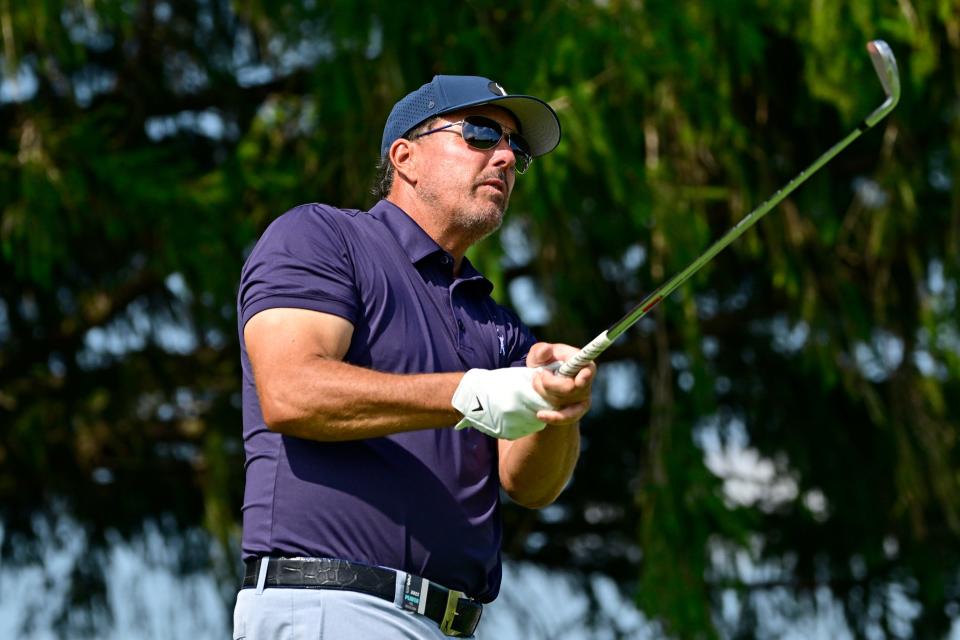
(456, 614)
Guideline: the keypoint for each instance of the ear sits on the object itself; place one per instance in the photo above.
(402, 156)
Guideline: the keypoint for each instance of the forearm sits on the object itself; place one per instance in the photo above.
(536, 468)
(328, 400)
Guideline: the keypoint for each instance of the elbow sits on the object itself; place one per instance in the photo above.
(278, 421)
(282, 413)
(279, 414)
(534, 502)
(531, 498)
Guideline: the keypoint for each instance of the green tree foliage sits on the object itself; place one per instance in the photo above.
(145, 145)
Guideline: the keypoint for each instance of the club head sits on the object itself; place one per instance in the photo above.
(885, 64)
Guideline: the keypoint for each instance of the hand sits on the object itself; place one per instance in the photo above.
(570, 397)
(500, 402)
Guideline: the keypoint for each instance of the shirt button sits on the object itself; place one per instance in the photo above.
(460, 324)
(446, 259)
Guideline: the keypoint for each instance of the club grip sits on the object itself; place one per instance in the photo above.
(585, 356)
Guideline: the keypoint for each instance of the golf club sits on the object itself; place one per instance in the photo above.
(886, 67)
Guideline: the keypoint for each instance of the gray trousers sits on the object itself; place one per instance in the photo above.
(325, 614)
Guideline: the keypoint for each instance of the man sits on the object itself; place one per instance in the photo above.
(374, 462)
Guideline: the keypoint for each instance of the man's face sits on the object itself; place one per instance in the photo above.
(469, 187)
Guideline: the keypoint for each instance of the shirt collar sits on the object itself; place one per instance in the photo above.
(415, 241)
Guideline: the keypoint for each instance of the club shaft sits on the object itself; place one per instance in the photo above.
(748, 221)
(599, 344)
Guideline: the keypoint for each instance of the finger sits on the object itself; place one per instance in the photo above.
(565, 415)
(543, 353)
(560, 400)
(577, 388)
(563, 351)
(554, 367)
(585, 376)
(556, 390)
(540, 354)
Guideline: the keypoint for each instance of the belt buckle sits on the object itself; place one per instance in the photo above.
(450, 613)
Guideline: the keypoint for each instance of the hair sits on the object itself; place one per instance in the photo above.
(383, 182)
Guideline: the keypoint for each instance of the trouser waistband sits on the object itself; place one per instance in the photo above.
(456, 614)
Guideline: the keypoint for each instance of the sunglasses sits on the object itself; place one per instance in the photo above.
(483, 133)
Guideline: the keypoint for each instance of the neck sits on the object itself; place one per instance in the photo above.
(435, 224)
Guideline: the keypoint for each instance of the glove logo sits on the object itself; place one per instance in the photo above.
(479, 406)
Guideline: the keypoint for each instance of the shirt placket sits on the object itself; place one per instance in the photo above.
(476, 345)
(455, 313)
(444, 294)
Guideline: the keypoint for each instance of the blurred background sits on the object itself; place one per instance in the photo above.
(772, 453)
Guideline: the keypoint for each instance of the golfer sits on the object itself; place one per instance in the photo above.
(386, 397)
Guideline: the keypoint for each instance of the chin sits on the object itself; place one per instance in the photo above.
(480, 225)
(494, 216)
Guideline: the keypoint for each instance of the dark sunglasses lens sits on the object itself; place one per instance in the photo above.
(521, 151)
(481, 133)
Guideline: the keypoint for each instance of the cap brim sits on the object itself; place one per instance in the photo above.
(538, 121)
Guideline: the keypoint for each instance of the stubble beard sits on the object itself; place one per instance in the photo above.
(481, 219)
(475, 216)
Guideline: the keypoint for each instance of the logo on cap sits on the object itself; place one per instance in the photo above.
(496, 89)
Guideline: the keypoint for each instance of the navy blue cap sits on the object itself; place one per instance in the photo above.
(539, 124)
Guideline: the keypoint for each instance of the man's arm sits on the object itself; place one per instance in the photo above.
(306, 390)
(535, 469)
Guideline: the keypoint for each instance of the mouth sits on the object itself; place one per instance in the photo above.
(495, 183)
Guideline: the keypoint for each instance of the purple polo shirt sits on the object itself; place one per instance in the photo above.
(426, 502)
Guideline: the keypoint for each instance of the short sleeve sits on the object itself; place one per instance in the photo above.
(302, 261)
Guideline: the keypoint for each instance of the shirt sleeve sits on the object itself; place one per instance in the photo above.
(301, 261)
(517, 338)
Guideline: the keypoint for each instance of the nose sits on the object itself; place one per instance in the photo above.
(503, 155)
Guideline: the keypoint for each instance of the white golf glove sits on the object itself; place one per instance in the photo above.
(500, 402)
